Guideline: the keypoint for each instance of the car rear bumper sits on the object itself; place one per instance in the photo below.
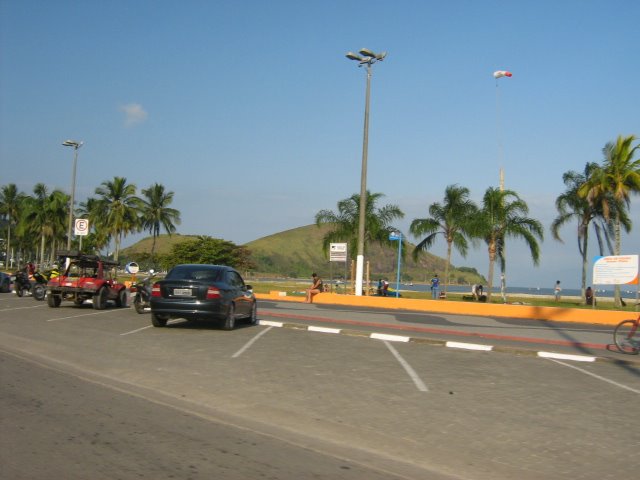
(192, 310)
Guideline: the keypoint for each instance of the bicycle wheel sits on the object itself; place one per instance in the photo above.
(627, 337)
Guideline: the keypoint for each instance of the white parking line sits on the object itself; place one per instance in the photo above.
(136, 330)
(410, 371)
(76, 316)
(170, 322)
(249, 343)
(20, 308)
(596, 376)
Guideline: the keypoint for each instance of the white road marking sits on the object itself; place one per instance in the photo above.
(170, 322)
(564, 356)
(137, 330)
(469, 346)
(250, 342)
(311, 328)
(625, 387)
(76, 316)
(390, 338)
(410, 371)
(270, 323)
(20, 308)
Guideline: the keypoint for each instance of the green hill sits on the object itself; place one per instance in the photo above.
(298, 252)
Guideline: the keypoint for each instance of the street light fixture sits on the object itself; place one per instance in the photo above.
(76, 146)
(367, 58)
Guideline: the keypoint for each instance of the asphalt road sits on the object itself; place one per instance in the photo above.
(101, 394)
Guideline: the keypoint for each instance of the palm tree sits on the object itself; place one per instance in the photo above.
(10, 205)
(610, 188)
(571, 205)
(44, 215)
(502, 216)
(156, 212)
(120, 206)
(451, 219)
(345, 222)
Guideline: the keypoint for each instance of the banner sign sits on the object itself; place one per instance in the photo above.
(615, 270)
(337, 252)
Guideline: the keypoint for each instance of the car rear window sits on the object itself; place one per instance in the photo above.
(195, 272)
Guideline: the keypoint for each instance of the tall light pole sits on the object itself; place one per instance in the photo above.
(368, 58)
(76, 146)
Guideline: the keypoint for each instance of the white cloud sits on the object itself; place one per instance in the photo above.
(134, 114)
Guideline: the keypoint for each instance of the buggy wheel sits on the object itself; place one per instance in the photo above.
(121, 301)
(54, 300)
(100, 299)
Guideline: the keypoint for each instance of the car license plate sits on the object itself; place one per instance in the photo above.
(182, 292)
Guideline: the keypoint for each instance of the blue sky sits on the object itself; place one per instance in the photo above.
(250, 112)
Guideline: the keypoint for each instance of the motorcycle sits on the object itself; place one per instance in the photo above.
(37, 287)
(142, 298)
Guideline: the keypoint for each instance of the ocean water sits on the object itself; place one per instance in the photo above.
(569, 292)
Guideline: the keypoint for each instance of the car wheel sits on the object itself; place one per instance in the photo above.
(158, 320)
(54, 300)
(39, 292)
(100, 299)
(253, 319)
(230, 320)
(121, 301)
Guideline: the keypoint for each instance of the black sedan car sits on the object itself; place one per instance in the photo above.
(5, 282)
(202, 292)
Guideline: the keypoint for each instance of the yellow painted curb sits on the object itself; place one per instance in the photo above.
(554, 314)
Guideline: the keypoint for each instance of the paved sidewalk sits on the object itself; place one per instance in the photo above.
(514, 335)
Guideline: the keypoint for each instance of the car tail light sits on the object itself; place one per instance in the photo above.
(155, 290)
(213, 292)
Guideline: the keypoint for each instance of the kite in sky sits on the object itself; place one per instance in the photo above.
(501, 73)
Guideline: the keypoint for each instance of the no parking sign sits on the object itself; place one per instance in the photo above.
(81, 227)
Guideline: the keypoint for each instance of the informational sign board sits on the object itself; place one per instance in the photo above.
(132, 267)
(337, 252)
(615, 270)
(81, 227)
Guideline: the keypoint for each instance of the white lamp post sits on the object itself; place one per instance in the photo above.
(368, 58)
(76, 146)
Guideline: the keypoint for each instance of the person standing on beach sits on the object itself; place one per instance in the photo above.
(435, 286)
(556, 291)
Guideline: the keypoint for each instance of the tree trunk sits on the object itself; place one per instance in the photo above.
(446, 268)
(616, 291)
(585, 239)
(492, 260)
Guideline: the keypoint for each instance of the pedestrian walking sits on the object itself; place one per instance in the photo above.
(556, 290)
